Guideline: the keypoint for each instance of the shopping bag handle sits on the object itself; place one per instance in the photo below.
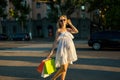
(46, 59)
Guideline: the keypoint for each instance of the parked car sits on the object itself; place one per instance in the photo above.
(20, 36)
(110, 39)
(3, 37)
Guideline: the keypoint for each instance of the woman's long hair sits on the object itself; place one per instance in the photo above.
(58, 22)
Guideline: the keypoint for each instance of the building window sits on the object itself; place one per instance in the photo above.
(38, 16)
(48, 9)
(14, 29)
(37, 5)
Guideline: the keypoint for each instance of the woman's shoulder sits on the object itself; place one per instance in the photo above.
(58, 30)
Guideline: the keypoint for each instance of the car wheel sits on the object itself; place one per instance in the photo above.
(96, 46)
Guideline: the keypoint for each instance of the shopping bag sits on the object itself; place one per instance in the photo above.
(46, 67)
(44, 75)
(41, 67)
(49, 66)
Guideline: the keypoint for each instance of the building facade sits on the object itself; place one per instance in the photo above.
(39, 26)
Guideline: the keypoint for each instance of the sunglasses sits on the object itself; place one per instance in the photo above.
(62, 20)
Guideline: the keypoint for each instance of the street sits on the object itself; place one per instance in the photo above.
(19, 61)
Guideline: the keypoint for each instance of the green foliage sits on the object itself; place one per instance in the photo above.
(3, 5)
(22, 9)
(110, 9)
(67, 7)
(20, 12)
(12, 12)
(112, 16)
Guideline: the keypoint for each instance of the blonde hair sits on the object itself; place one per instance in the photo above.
(58, 23)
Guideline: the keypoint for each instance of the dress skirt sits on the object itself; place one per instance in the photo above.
(66, 52)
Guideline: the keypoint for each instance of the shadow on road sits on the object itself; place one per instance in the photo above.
(91, 49)
(30, 73)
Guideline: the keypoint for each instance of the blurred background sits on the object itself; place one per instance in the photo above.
(37, 18)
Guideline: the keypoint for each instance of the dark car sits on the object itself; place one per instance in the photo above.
(20, 36)
(110, 39)
(3, 37)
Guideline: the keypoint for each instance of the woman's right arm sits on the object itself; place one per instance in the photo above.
(54, 45)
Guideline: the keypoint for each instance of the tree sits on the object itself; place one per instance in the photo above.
(59, 7)
(3, 5)
(20, 11)
(109, 12)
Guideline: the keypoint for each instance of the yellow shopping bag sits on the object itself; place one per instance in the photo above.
(43, 74)
(49, 66)
(46, 67)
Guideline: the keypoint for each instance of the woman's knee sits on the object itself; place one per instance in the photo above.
(64, 67)
(64, 70)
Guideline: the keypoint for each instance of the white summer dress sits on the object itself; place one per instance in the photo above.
(66, 52)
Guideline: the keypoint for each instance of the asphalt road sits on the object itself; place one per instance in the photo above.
(19, 61)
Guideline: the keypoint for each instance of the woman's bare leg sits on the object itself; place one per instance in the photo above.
(58, 73)
(62, 71)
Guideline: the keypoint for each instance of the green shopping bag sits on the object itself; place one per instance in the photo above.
(49, 66)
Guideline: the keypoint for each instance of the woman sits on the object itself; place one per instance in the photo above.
(66, 52)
